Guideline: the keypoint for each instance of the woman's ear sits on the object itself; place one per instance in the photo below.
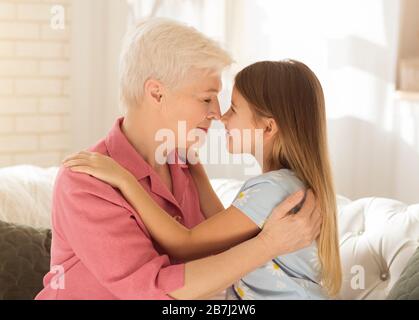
(271, 127)
(153, 90)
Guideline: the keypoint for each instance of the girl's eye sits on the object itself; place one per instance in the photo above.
(207, 100)
(232, 109)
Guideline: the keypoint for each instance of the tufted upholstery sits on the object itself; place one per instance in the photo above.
(377, 236)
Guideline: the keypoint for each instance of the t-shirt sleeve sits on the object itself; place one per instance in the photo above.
(257, 200)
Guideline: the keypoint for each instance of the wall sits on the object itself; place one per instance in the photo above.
(34, 83)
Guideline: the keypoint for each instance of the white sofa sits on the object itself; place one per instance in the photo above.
(377, 236)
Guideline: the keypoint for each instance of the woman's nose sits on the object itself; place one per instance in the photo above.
(214, 112)
(213, 116)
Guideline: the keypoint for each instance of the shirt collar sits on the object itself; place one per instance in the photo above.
(121, 150)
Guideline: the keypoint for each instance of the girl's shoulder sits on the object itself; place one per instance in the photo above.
(283, 178)
(261, 194)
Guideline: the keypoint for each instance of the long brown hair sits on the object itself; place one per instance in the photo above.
(290, 93)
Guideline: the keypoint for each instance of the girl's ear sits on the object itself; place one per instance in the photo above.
(271, 127)
(153, 90)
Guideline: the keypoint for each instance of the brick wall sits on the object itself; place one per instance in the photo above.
(34, 83)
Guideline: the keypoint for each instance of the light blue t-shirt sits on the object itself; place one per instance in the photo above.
(292, 276)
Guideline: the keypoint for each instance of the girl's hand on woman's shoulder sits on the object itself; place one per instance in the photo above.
(100, 166)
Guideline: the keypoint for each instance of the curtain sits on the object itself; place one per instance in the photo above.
(351, 45)
(98, 27)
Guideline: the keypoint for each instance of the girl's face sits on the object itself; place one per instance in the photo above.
(245, 132)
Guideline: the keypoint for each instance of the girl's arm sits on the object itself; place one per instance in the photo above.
(208, 199)
(216, 234)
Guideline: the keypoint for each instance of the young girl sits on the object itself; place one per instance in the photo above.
(285, 100)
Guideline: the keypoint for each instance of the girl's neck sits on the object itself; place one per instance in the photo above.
(267, 164)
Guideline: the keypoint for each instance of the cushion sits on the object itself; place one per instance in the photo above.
(407, 287)
(24, 260)
(377, 238)
(26, 195)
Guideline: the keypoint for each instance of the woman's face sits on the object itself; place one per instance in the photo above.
(243, 131)
(192, 107)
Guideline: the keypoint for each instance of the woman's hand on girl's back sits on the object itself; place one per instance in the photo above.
(284, 233)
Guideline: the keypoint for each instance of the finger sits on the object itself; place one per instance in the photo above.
(309, 205)
(66, 161)
(75, 162)
(77, 155)
(317, 228)
(316, 213)
(82, 169)
(316, 218)
(88, 153)
(85, 152)
(70, 156)
(288, 204)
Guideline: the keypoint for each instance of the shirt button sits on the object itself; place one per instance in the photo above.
(360, 233)
(178, 218)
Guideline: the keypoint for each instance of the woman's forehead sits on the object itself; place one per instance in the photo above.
(204, 81)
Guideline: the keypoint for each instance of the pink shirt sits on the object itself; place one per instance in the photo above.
(99, 242)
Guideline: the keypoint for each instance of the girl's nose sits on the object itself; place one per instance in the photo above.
(224, 118)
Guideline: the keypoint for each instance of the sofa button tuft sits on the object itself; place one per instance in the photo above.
(384, 276)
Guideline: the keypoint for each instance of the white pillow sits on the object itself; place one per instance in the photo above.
(25, 195)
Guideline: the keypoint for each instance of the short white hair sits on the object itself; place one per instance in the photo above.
(164, 50)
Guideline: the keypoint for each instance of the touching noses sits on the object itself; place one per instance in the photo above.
(224, 117)
(214, 112)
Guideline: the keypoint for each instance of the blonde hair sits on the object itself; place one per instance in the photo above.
(164, 50)
(290, 92)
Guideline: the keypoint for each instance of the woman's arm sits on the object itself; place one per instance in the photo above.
(218, 233)
(281, 234)
(208, 199)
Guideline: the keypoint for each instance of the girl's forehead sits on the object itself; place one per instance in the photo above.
(237, 97)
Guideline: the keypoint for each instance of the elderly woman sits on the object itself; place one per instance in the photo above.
(101, 249)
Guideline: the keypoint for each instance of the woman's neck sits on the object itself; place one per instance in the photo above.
(141, 135)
